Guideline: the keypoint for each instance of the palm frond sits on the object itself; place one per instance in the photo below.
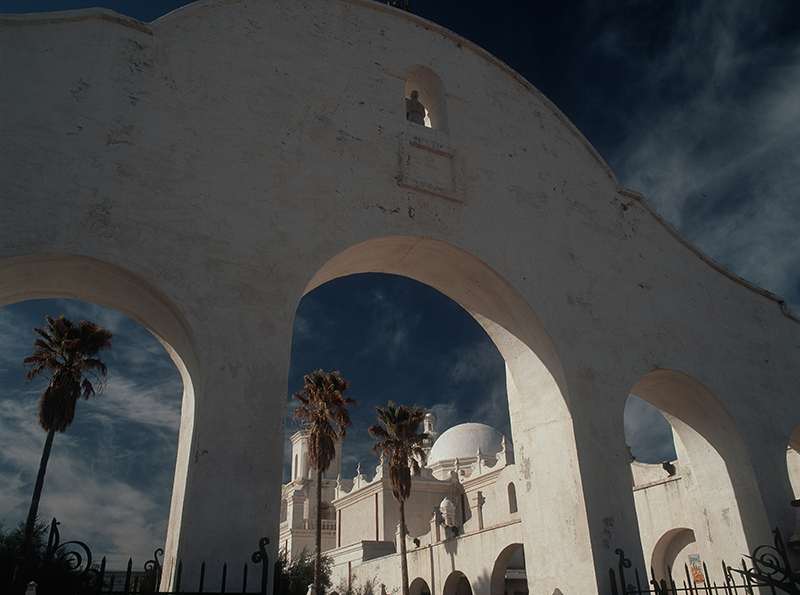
(323, 406)
(67, 353)
(398, 437)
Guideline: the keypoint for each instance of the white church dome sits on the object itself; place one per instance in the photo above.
(463, 441)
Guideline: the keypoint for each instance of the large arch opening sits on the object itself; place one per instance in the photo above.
(710, 488)
(541, 423)
(398, 340)
(42, 276)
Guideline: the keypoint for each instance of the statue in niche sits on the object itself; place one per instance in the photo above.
(415, 111)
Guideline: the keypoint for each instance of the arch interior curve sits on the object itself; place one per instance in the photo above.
(39, 276)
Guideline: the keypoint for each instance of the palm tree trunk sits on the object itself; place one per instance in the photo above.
(22, 556)
(403, 561)
(318, 536)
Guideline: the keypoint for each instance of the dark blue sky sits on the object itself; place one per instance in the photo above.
(693, 104)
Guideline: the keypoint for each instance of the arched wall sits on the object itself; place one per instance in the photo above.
(69, 276)
(419, 586)
(498, 579)
(178, 151)
(666, 552)
(541, 424)
(722, 486)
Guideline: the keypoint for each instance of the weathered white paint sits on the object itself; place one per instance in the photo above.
(202, 172)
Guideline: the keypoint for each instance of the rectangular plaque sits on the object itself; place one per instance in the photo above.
(430, 167)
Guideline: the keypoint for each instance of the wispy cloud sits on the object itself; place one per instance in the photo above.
(109, 478)
(712, 143)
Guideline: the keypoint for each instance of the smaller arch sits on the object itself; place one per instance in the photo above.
(793, 461)
(419, 586)
(724, 492)
(512, 498)
(457, 583)
(667, 549)
(432, 94)
(793, 470)
(508, 573)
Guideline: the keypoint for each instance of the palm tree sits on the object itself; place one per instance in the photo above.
(400, 440)
(67, 354)
(322, 405)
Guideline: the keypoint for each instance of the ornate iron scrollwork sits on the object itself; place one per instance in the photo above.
(770, 567)
(74, 555)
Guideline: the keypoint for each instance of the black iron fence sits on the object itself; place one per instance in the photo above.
(767, 570)
(74, 559)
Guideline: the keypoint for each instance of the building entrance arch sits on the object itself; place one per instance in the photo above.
(541, 423)
(41, 276)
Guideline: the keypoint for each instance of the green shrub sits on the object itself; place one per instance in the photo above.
(298, 572)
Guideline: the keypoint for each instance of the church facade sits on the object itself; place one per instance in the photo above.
(464, 532)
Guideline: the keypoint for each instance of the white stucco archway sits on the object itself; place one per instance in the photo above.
(498, 577)
(207, 206)
(39, 276)
(667, 550)
(419, 586)
(722, 489)
(541, 423)
(457, 583)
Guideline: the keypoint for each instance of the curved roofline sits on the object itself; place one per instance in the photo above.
(784, 307)
(105, 14)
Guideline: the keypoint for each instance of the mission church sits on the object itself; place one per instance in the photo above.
(463, 521)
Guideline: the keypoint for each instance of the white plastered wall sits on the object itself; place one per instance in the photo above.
(232, 156)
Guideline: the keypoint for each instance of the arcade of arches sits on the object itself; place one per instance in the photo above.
(253, 167)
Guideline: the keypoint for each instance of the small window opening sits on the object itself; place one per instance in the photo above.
(426, 98)
(512, 498)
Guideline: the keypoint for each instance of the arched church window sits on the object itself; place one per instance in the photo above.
(512, 498)
(426, 101)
